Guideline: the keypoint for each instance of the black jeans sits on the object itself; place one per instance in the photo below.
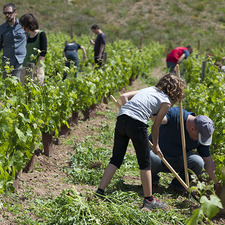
(67, 64)
(126, 129)
(98, 61)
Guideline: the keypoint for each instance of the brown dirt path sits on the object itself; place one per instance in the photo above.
(159, 71)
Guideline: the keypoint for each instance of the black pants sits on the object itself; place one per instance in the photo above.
(67, 64)
(98, 61)
(126, 129)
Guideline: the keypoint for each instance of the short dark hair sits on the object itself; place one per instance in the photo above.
(29, 21)
(10, 5)
(190, 48)
(94, 27)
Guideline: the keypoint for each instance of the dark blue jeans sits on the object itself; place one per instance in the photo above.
(72, 57)
(76, 63)
(194, 162)
(171, 66)
(126, 129)
(98, 61)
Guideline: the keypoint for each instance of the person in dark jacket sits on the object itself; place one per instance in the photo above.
(12, 41)
(99, 44)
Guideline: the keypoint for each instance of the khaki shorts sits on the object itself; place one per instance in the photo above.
(28, 72)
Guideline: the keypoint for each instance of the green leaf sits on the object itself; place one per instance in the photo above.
(201, 185)
(20, 134)
(193, 220)
(211, 206)
(17, 160)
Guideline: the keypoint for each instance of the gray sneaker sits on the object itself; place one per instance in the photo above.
(155, 203)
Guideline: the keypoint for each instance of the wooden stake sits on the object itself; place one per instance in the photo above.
(203, 70)
(183, 135)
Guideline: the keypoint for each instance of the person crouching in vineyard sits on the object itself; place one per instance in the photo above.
(198, 135)
(138, 107)
(70, 52)
(36, 48)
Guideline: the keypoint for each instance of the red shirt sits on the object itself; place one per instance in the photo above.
(175, 54)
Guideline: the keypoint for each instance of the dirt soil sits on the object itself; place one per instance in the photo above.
(48, 177)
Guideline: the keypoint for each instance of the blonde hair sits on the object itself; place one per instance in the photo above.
(172, 86)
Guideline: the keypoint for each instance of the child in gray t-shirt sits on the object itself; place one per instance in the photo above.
(138, 107)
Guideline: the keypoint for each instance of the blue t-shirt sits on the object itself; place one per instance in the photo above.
(187, 53)
(170, 141)
(71, 51)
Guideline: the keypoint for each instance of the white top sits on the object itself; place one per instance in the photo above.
(223, 69)
(144, 104)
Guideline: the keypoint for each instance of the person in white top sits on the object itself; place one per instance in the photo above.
(138, 107)
(221, 68)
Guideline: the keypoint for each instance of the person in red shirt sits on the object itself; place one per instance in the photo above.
(177, 55)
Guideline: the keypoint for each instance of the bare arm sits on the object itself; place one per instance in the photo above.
(101, 51)
(164, 120)
(40, 58)
(43, 50)
(127, 96)
(182, 57)
(84, 52)
(92, 42)
(210, 168)
(155, 127)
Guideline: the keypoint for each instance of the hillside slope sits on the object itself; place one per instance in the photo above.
(170, 22)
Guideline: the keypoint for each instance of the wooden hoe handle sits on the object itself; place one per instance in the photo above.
(183, 135)
(171, 169)
(115, 101)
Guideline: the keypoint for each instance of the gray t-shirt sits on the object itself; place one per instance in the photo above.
(144, 104)
(223, 69)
